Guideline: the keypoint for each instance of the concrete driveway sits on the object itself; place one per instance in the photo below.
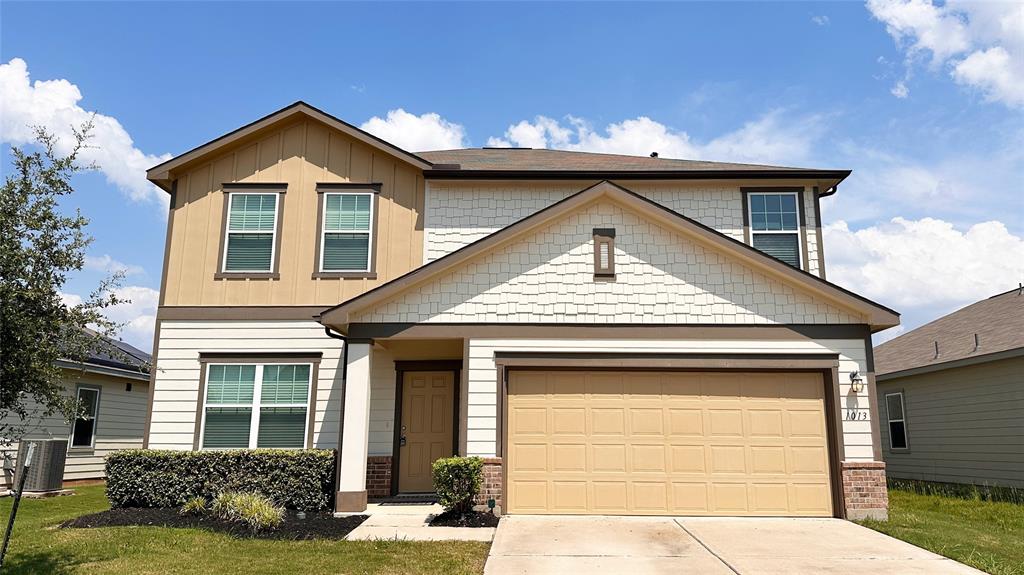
(712, 546)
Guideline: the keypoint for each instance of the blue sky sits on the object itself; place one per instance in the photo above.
(923, 102)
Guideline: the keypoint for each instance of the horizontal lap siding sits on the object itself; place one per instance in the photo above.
(120, 424)
(481, 426)
(177, 381)
(964, 425)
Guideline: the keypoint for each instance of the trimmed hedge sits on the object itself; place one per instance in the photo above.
(294, 478)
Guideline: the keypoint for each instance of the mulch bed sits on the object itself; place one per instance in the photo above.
(471, 519)
(314, 526)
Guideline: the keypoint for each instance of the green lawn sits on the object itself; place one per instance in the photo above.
(39, 547)
(985, 535)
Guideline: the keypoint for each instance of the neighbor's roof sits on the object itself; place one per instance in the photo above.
(997, 321)
(112, 353)
(498, 162)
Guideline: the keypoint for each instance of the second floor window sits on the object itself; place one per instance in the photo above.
(775, 225)
(347, 233)
(251, 232)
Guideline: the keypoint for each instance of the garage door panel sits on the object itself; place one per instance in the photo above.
(673, 443)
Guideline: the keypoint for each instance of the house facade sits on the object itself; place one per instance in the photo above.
(952, 396)
(113, 386)
(612, 334)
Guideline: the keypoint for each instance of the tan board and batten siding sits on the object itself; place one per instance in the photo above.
(301, 155)
(964, 425)
(120, 423)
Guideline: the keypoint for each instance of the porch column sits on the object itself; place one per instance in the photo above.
(351, 494)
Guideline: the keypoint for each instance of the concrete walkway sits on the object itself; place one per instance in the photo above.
(409, 522)
(729, 546)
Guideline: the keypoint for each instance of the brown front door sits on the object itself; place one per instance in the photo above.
(427, 430)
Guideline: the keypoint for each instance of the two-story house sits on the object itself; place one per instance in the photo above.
(612, 334)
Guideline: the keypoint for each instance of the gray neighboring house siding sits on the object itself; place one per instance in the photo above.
(964, 425)
(963, 407)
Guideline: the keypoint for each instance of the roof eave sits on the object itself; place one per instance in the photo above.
(161, 174)
(463, 174)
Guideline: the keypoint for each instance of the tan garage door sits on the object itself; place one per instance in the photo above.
(673, 443)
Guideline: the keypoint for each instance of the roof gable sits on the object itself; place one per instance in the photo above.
(161, 173)
(720, 254)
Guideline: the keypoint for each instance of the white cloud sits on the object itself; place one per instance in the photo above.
(980, 43)
(54, 105)
(417, 133)
(900, 90)
(774, 138)
(821, 20)
(925, 267)
(138, 316)
(107, 264)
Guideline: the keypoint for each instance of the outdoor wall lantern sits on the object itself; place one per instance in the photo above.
(856, 382)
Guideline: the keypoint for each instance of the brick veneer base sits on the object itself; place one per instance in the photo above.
(378, 476)
(864, 490)
(492, 484)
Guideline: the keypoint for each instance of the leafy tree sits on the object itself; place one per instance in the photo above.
(39, 247)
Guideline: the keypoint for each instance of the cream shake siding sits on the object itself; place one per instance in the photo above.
(661, 277)
(120, 423)
(176, 392)
(459, 213)
(481, 425)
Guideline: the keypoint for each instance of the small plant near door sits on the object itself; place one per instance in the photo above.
(457, 481)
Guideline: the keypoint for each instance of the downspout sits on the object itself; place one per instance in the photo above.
(341, 419)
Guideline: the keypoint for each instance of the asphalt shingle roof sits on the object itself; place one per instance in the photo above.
(998, 322)
(528, 159)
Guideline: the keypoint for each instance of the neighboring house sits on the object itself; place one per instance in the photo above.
(612, 334)
(113, 385)
(953, 396)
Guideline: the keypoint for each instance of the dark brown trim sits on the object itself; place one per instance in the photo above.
(248, 312)
(464, 398)
(836, 443)
(604, 238)
(371, 187)
(833, 420)
(280, 187)
(341, 188)
(259, 357)
(818, 233)
(789, 332)
(197, 432)
(790, 174)
(879, 316)
(454, 366)
(275, 271)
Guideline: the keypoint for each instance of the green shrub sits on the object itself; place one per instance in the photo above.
(295, 478)
(457, 481)
(194, 506)
(256, 511)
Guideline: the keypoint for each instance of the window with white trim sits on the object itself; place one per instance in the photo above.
(347, 234)
(256, 405)
(897, 420)
(251, 234)
(775, 225)
(83, 432)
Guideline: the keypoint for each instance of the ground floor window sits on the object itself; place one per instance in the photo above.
(897, 420)
(256, 405)
(83, 432)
